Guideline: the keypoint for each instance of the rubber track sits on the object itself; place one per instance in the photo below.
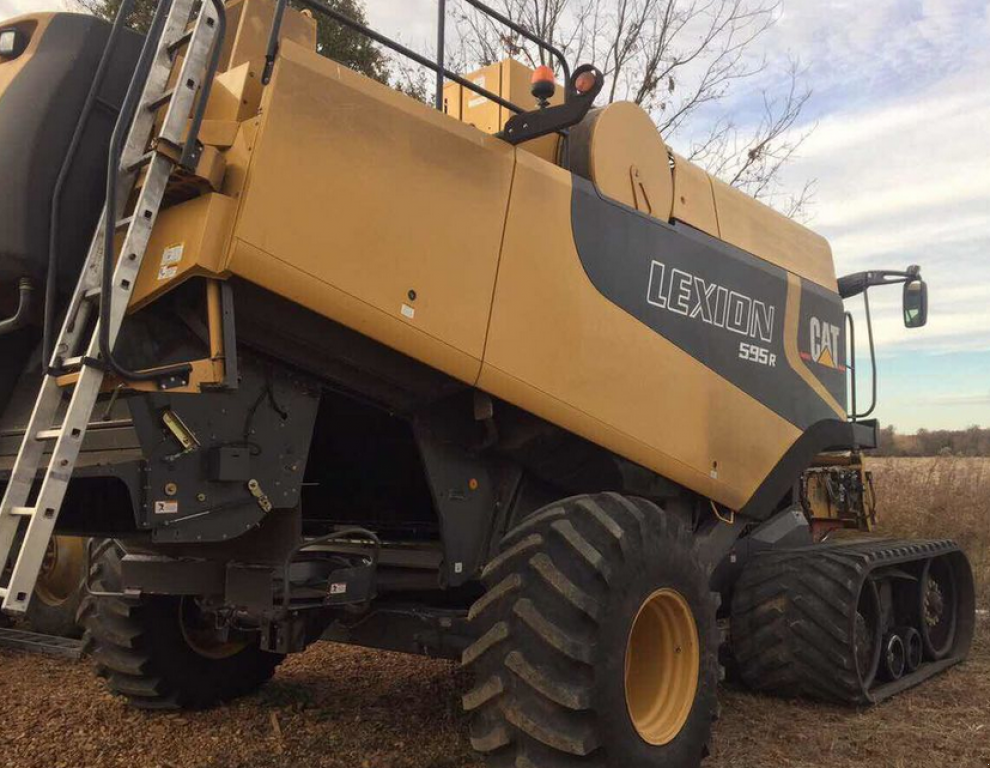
(793, 616)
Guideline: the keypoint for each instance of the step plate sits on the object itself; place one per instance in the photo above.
(31, 641)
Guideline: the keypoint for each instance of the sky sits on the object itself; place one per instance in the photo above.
(900, 155)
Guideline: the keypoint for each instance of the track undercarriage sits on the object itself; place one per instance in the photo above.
(852, 622)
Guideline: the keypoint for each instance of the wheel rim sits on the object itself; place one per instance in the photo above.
(202, 635)
(61, 570)
(938, 607)
(662, 663)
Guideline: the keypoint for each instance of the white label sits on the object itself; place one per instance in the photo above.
(477, 101)
(338, 589)
(170, 507)
(458, 567)
(167, 273)
(408, 311)
(173, 254)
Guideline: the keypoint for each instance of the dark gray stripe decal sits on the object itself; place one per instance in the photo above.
(721, 305)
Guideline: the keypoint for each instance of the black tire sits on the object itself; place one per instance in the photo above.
(139, 646)
(54, 608)
(806, 623)
(553, 629)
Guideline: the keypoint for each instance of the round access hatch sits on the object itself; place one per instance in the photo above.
(619, 148)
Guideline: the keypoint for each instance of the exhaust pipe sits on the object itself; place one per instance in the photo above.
(18, 320)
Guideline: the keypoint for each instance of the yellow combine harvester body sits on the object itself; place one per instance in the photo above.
(506, 380)
(482, 233)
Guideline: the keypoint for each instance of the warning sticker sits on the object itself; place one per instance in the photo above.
(340, 588)
(169, 507)
(173, 254)
(170, 257)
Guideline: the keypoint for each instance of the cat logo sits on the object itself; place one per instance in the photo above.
(824, 348)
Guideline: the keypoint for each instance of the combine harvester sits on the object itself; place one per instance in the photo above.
(506, 381)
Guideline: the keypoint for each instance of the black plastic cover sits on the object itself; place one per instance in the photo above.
(39, 111)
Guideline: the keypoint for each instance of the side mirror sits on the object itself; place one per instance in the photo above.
(915, 303)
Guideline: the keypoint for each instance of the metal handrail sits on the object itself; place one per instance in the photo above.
(51, 279)
(436, 66)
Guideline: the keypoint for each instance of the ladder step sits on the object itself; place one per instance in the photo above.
(141, 162)
(92, 293)
(23, 511)
(3, 592)
(124, 223)
(155, 104)
(72, 362)
(181, 43)
(48, 434)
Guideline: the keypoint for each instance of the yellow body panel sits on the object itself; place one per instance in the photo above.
(694, 201)
(374, 198)
(754, 227)
(559, 348)
(189, 239)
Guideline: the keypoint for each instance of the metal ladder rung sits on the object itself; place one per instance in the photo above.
(141, 162)
(72, 362)
(93, 293)
(3, 592)
(23, 511)
(48, 434)
(155, 104)
(181, 43)
(124, 223)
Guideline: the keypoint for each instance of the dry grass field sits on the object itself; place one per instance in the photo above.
(945, 497)
(341, 707)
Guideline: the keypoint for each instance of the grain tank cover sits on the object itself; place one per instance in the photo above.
(43, 86)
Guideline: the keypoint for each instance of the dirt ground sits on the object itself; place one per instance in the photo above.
(350, 708)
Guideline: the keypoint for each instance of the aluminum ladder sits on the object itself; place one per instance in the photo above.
(150, 145)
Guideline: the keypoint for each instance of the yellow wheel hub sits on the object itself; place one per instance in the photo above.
(662, 663)
(61, 570)
(202, 635)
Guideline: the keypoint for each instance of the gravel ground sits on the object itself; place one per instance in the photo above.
(351, 708)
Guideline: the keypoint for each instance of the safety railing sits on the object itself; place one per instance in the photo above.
(437, 66)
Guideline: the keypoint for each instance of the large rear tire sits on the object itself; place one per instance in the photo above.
(162, 652)
(597, 641)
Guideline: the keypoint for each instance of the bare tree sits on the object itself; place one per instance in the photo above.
(680, 60)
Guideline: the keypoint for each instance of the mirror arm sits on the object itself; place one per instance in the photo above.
(858, 282)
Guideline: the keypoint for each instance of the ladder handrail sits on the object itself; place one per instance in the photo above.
(51, 278)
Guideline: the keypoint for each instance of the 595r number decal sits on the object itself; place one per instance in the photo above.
(757, 354)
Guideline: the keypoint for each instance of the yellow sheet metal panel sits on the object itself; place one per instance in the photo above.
(367, 194)
(694, 201)
(297, 286)
(189, 239)
(513, 82)
(757, 228)
(236, 94)
(619, 148)
(249, 24)
(559, 348)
